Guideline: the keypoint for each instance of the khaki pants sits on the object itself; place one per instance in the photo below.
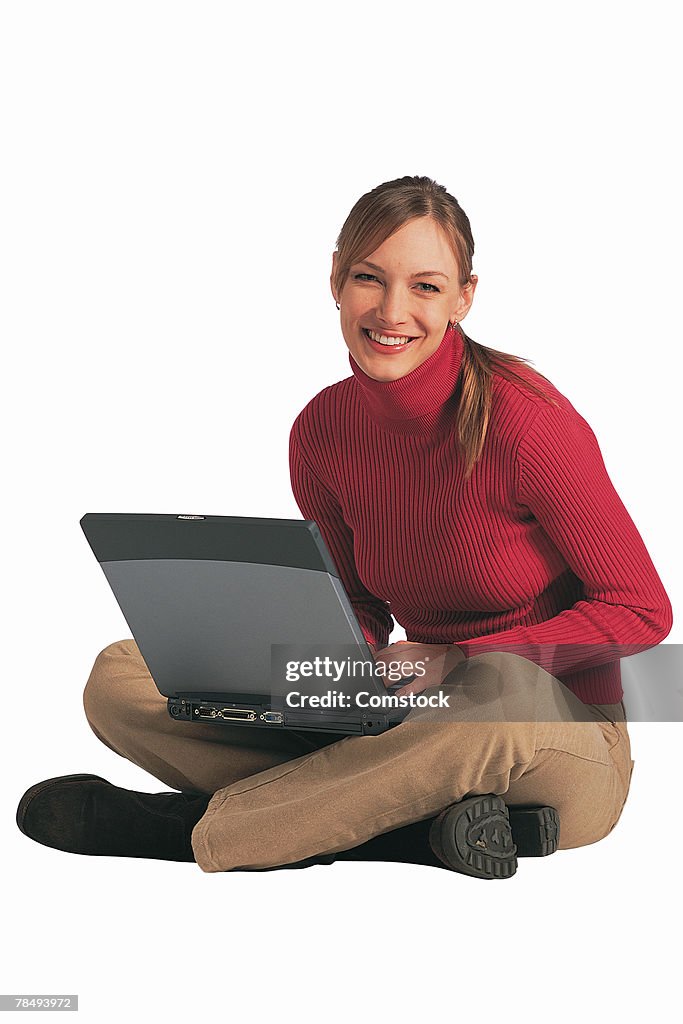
(282, 796)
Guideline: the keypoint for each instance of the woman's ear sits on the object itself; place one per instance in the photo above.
(466, 297)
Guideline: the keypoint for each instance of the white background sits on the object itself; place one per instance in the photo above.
(174, 176)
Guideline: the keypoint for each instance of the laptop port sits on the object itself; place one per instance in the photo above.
(272, 717)
(238, 715)
(206, 712)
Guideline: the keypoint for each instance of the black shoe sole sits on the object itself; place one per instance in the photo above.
(483, 837)
(36, 790)
(474, 838)
(535, 830)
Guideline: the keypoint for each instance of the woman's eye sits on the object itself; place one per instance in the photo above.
(421, 285)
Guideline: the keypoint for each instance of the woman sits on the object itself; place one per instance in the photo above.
(458, 490)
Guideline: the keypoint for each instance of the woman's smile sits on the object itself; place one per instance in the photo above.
(387, 344)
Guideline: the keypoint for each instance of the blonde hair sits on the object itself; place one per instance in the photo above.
(373, 219)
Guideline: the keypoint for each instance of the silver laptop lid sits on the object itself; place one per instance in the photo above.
(210, 600)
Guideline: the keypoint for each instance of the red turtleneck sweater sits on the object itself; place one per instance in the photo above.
(534, 554)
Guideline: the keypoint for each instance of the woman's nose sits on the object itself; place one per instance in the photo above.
(393, 308)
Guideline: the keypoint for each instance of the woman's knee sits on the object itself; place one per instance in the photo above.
(109, 684)
(504, 686)
(522, 689)
(506, 668)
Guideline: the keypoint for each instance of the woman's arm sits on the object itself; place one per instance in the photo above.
(562, 480)
(316, 502)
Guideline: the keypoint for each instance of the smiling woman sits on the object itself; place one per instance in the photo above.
(460, 493)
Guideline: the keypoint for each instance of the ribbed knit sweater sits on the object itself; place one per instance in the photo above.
(533, 554)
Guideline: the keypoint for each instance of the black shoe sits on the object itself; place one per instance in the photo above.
(474, 838)
(535, 833)
(483, 838)
(86, 814)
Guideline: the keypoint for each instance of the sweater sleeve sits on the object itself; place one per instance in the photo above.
(316, 502)
(562, 480)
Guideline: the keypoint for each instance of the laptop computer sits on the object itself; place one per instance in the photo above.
(244, 621)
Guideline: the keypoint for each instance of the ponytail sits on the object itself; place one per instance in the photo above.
(479, 364)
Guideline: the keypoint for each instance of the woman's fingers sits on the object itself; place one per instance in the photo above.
(431, 665)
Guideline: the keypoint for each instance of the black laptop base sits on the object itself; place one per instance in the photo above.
(194, 708)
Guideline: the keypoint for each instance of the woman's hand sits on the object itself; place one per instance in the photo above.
(429, 663)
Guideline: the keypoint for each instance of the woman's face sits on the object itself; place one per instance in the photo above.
(406, 289)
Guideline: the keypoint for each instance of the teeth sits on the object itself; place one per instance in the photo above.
(383, 340)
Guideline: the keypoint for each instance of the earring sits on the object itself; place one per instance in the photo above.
(337, 305)
(452, 324)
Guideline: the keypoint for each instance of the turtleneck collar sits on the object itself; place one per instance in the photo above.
(424, 400)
